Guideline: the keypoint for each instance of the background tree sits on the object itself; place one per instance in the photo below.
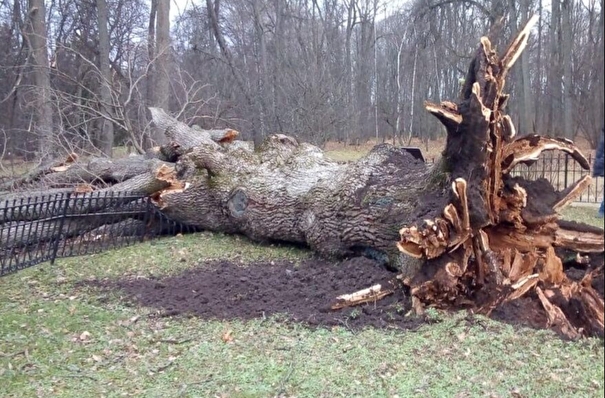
(105, 141)
(36, 38)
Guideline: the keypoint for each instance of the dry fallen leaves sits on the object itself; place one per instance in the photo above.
(227, 337)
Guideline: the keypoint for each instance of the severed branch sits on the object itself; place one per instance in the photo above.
(373, 293)
(446, 112)
(186, 137)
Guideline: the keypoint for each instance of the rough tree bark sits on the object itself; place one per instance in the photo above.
(472, 235)
(282, 190)
(39, 53)
(158, 89)
(105, 141)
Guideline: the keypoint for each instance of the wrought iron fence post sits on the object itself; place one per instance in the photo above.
(61, 223)
(147, 216)
(566, 170)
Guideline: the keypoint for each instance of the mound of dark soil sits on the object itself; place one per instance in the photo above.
(303, 293)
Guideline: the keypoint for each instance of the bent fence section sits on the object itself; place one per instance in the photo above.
(39, 229)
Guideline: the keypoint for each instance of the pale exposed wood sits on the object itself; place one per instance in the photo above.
(517, 46)
(459, 188)
(528, 149)
(446, 113)
(523, 265)
(573, 193)
(369, 294)
(523, 286)
(582, 241)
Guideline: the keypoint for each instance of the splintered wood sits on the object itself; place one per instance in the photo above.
(495, 242)
(370, 294)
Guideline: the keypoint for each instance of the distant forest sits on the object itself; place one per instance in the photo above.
(78, 75)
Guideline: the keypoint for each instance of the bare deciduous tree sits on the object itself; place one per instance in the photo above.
(345, 70)
(39, 54)
(105, 138)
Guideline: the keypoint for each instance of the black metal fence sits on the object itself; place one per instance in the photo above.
(562, 171)
(38, 229)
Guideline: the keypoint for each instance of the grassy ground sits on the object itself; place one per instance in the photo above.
(61, 339)
(586, 214)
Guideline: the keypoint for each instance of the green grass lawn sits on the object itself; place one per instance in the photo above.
(585, 214)
(347, 154)
(62, 339)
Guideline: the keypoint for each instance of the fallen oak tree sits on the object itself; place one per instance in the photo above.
(282, 191)
(474, 211)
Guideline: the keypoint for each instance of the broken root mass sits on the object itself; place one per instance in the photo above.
(304, 293)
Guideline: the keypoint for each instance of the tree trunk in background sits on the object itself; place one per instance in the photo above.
(539, 112)
(398, 99)
(351, 21)
(600, 47)
(363, 87)
(161, 58)
(277, 99)
(162, 77)
(522, 97)
(39, 53)
(555, 75)
(151, 51)
(105, 140)
(566, 58)
(527, 111)
(262, 72)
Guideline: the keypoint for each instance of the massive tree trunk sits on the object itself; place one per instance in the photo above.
(282, 190)
(468, 233)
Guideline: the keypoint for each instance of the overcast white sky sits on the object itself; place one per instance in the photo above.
(177, 7)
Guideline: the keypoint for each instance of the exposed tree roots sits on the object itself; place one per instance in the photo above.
(496, 239)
